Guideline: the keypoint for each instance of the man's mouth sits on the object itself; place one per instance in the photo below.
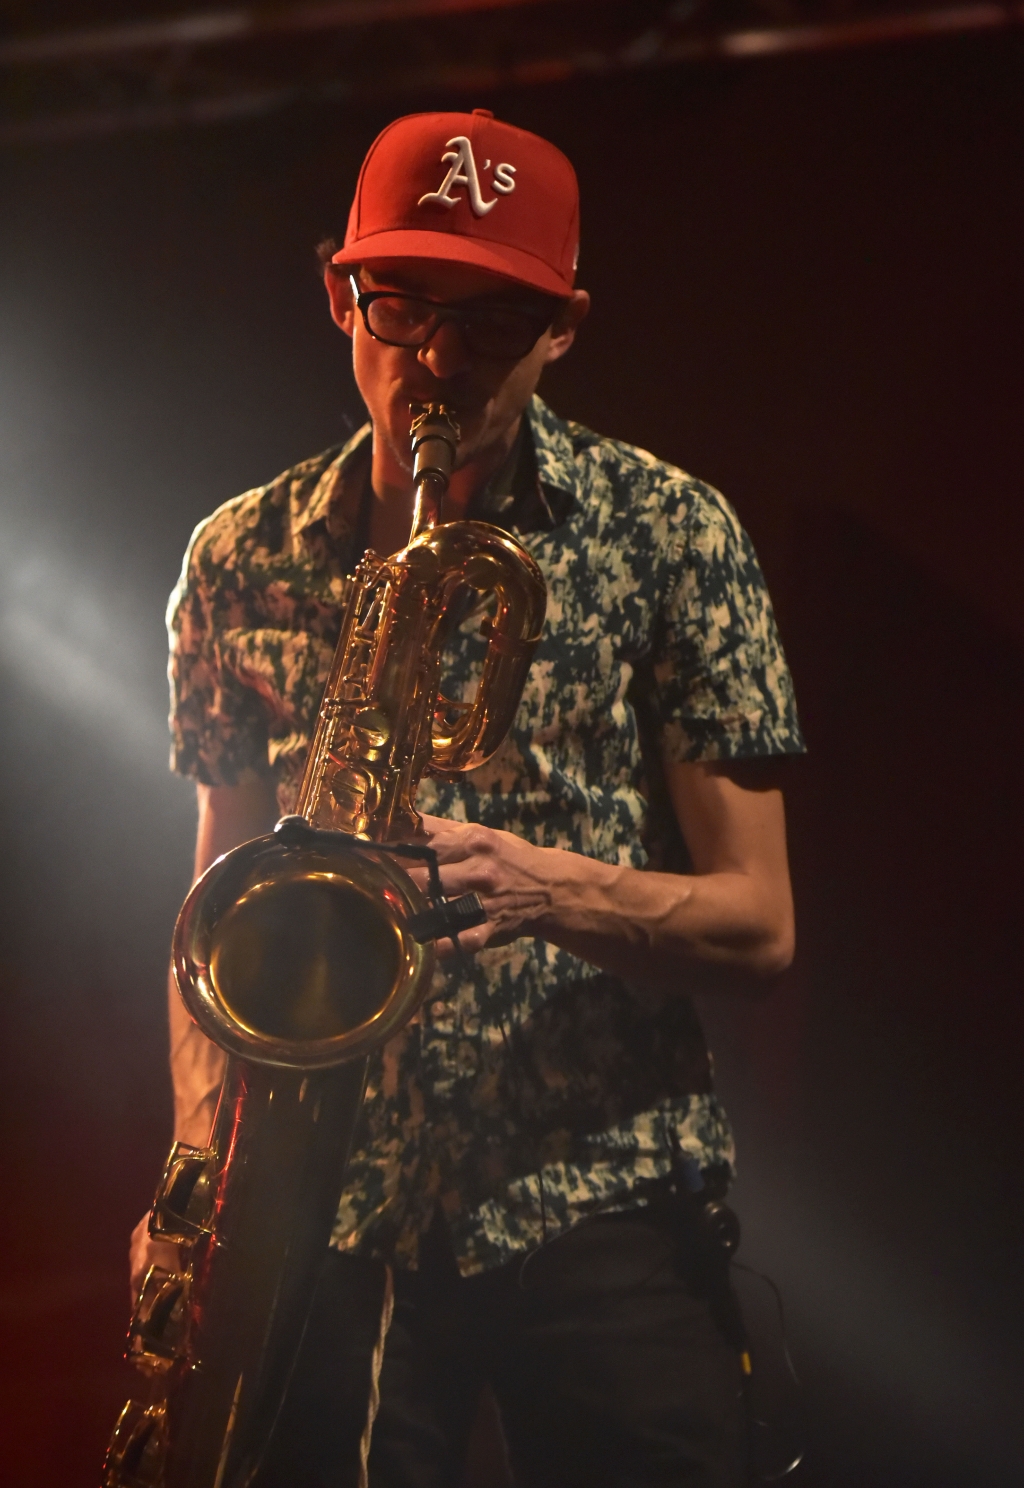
(460, 401)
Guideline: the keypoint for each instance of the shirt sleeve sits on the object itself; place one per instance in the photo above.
(219, 726)
(722, 689)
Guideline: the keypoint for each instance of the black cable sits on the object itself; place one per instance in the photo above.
(775, 1477)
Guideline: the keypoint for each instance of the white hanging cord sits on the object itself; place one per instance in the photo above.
(377, 1359)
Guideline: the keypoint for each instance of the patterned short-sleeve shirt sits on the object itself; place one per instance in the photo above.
(532, 1089)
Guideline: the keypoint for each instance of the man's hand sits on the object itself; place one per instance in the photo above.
(144, 1252)
(511, 877)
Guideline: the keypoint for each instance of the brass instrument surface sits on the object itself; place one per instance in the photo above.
(297, 954)
(388, 725)
(300, 954)
(219, 1367)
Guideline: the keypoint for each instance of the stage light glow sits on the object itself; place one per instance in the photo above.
(63, 642)
(886, 1325)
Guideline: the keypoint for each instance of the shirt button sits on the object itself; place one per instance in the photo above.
(438, 1008)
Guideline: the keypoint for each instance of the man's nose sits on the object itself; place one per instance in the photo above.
(446, 353)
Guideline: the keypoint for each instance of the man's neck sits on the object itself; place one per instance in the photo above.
(391, 515)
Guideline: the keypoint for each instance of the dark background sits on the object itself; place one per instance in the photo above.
(807, 281)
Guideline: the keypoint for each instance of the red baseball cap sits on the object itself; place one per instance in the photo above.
(469, 189)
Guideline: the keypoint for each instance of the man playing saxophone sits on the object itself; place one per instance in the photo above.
(532, 1144)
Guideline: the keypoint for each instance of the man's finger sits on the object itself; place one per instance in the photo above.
(470, 941)
(464, 878)
(448, 839)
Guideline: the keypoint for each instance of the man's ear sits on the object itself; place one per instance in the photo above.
(566, 323)
(343, 307)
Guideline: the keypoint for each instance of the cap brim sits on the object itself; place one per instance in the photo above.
(479, 253)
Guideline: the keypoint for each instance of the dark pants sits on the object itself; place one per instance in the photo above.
(606, 1351)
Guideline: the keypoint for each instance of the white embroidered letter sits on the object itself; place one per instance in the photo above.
(503, 181)
(461, 172)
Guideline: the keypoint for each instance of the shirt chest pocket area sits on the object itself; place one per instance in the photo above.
(584, 665)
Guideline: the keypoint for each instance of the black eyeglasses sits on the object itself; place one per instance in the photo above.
(489, 329)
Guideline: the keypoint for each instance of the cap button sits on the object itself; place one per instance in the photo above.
(485, 113)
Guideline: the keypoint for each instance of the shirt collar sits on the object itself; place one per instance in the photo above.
(552, 447)
(536, 487)
(336, 497)
(542, 501)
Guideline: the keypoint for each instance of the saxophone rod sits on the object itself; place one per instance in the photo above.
(435, 437)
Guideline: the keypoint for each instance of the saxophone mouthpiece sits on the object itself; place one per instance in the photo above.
(435, 439)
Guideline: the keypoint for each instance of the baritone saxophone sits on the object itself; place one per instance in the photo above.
(299, 954)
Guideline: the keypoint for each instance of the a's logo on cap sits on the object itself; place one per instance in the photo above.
(462, 171)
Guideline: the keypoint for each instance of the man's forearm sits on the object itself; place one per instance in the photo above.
(197, 1071)
(729, 927)
(714, 930)
(228, 815)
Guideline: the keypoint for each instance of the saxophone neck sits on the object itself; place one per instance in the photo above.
(435, 437)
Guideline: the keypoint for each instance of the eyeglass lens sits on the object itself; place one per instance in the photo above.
(488, 330)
